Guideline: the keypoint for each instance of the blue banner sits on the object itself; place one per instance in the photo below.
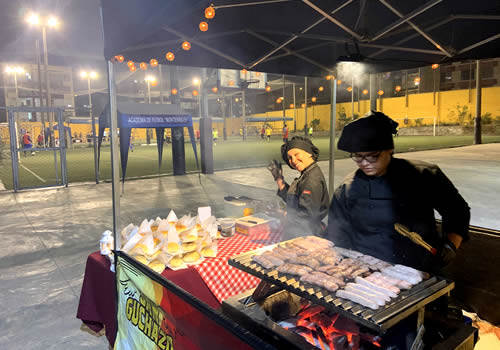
(154, 121)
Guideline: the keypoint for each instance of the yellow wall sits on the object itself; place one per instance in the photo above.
(419, 106)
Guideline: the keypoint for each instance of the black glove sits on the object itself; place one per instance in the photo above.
(275, 168)
(448, 253)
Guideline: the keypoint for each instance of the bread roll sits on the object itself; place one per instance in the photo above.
(208, 252)
(189, 247)
(180, 227)
(173, 247)
(156, 266)
(142, 259)
(176, 262)
(191, 257)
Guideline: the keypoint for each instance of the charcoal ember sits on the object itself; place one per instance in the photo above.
(339, 341)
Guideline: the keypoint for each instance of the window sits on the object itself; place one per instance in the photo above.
(486, 72)
(468, 74)
(446, 77)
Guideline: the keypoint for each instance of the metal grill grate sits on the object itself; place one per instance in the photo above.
(380, 320)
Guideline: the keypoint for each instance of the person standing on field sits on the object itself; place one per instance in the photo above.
(285, 134)
(269, 131)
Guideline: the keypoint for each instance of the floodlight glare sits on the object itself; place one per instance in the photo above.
(53, 22)
(16, 70)
(33, 19)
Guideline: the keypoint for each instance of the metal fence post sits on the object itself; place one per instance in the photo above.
(62, 147)
(13, 151)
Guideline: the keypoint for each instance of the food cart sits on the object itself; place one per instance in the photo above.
(278, 36)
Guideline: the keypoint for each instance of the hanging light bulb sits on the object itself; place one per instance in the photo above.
(365, 92)
(328, 77)
(120, 58)
(203, 26)
(173, 91)
(303, 105)
(143, 66)
(170, 56)
(339, 82)
(268, 88)
(278, 100)
(209, 12)
(292, 105)
(257, 74)
(130, 63)
(321, 88)
(435, 66)
(314, 99)
(349, 88)
(215, 89)
(195, 93)
(380, 92)
(186, 45)
(230, 82)
(398, 88)
(153, 62)
(132, 68)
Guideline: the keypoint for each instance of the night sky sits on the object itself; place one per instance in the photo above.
(77, 42)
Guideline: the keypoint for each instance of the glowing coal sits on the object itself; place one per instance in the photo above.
(327, 331)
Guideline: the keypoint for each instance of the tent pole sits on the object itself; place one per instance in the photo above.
(206, 146)
(223, 107)
(333, 124)
(294, 110)
(305, 102)
(477, 119)
(373, 96)
(115, 157)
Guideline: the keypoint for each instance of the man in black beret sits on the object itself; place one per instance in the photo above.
(307, 197)
(387, 190)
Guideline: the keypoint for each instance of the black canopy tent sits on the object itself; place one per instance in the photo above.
(304, 37)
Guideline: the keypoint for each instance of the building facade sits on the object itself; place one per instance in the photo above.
(32, 91)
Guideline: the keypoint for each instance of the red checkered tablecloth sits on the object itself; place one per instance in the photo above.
(226, 281)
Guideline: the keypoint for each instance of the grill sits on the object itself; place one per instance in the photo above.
(380, 320)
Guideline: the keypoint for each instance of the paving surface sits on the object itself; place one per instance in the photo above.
(48, 234)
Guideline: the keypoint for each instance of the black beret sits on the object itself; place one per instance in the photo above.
(302, 143)
(372, 132)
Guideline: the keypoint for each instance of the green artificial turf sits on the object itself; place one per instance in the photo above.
(231, 154)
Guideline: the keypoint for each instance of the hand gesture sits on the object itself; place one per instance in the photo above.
(276, 170)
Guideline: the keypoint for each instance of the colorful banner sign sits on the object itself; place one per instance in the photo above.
(155, 314)
(141, 321)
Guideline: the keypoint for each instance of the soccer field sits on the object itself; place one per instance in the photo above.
(39, 170)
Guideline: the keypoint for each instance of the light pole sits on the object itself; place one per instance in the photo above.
(150, 80)
(89, 76)
(197, 83)
(15, 70)
(52, 22)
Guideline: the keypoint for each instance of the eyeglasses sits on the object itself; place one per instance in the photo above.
(372, 158)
